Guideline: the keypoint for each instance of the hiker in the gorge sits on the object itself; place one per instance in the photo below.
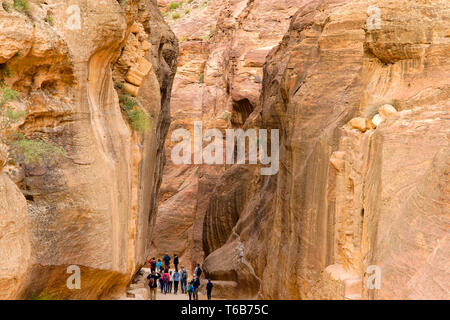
(153, 284)
(153, 264)
(196, 286)
(190, 289)
(209, 287)
(175, 261)
(176, 281)
(170, 281)
(184, 277)
(161, 283)
(198, 271)
(159, 265)
(166, 260)
(166, 280)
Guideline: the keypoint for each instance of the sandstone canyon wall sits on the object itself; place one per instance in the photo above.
(223, 46)
(95, 207)
(362, 104)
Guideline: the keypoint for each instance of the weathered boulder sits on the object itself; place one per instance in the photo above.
(377, 120)
(387, 111)
(360, 124)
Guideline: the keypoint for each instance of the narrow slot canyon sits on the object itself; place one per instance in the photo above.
(293, 149)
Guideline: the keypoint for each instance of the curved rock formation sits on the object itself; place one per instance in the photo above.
(94, 208)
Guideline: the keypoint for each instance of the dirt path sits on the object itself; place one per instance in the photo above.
(179, 296)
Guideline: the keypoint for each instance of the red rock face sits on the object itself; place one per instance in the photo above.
(223, 47)
(361, 98)
(331, 68)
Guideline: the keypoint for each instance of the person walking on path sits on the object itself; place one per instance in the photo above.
(170, 281)
(209, 287)
(166, 260)
(184, 277)
(196, 286)
(161, 284)
(198, 271)
(153, 284)
(152, 264)
(190, 289)
(159, 265)
(175, 261)
(166, 280)
(176, 281)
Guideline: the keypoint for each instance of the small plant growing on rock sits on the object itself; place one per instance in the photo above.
(118, 85)
(127, 102)
(5, 6)
(5, 71)
(226, 116)
(174, 5)
(138, 119)
(49, 20)
(35, 151)
(201, 78)
(21, 5)
(7, 95)
(32, 151)
(175, 16)
(44, 295)
(123, 3)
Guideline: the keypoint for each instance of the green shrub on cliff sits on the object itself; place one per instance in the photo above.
(7, 95)
(174, 5)
(138, 119)
(44, 295)
(5, 6)
(127, 102)
(21, 5)
(35, 151)
(30, 151)
(49, 20)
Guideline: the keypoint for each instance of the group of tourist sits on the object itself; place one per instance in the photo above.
(170, 279)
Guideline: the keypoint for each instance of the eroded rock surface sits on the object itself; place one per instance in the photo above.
(362, 103)
(94, 208)
(335, 67)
